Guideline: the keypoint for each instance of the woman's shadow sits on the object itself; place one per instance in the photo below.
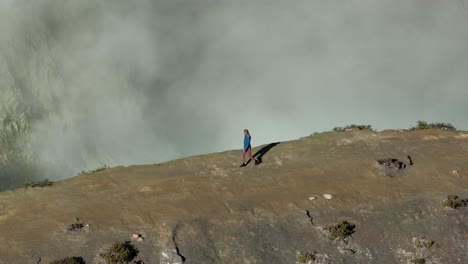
(261, 152)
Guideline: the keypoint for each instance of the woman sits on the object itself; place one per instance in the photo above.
(247, 148)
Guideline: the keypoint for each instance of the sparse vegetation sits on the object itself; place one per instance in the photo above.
(69, 260)
(44, 183)
(353, 126)
(105, 167)
(454, 202)
(120, 253)
(424, 243)
(421, 125)
(342, 230)
(418, 261)
(306, 257)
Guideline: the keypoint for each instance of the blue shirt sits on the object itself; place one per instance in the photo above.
(247, 142)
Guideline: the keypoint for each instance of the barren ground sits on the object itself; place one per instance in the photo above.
(215, 212)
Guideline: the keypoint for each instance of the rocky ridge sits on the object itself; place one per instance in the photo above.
(205, 209)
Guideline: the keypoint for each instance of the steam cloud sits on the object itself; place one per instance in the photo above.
(123, 82)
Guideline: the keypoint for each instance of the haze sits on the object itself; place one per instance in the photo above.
(123, 82)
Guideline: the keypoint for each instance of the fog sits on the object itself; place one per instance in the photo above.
(123, 82)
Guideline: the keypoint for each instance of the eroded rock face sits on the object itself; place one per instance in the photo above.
(16, 158)
(170, 256)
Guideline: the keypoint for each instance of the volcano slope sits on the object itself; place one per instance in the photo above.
(205, 209)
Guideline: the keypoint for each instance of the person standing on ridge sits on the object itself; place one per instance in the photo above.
(247, 149)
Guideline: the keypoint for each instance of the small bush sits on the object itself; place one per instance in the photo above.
(418, 261)
(305, 257)
(120, 253)
(454, 202)
(69, 260)
(424, 243)
(421, 125)
(44, 183)
(341, 230)
(105, 167)
(353, 126)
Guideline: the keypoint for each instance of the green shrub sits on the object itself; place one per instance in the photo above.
(421, 125)
(105, 167)
(342, 230)
(44, 183)
(353, 126)
(424, 243)
(454, 202)
(305, 257)
(69, 260)
(120, 253)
